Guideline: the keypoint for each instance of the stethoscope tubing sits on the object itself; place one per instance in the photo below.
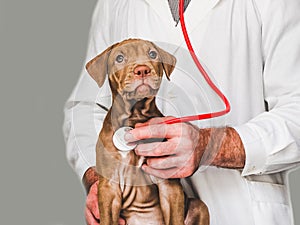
(204, 74)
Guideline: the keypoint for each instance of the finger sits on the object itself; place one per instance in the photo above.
(95, 211)
(146, 132)
(165, 163)
(154, 131)
(165, 174)
(90, 219)
(92, 205)
(156, 149)
(121, 221)
(92, 201)
(155, 120)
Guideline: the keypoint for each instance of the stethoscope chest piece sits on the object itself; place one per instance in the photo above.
(119, 141)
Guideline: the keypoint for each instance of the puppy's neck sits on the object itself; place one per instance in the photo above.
(129, 113)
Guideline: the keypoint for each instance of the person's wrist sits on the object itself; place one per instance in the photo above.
(221, 147)
(232, 152)
(89, 178)
(211, 144)
(204, 138)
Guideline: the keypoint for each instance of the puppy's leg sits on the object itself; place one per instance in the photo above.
(197, 212)
(110, 201)
(171, 198)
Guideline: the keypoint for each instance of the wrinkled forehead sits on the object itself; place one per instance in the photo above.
(132, 48)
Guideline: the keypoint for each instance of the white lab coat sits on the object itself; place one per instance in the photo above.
(252, 49)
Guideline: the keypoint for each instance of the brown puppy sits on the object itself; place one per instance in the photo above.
(135, 68)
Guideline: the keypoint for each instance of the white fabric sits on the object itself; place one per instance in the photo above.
(252, 50)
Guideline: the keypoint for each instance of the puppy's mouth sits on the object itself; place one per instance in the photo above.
(142, 91)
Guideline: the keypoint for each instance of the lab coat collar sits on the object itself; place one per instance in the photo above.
(197, 8)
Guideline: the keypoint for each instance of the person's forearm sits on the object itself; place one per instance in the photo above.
(89, 178)
(228, 145)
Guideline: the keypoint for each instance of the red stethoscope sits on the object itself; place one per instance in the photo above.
(204, 74)
(118, 137)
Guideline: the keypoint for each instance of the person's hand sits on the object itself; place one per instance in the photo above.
(92, 215)
(177, 157)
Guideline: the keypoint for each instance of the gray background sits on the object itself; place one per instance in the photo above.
(42, 48)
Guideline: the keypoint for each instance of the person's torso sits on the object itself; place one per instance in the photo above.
(226, 36)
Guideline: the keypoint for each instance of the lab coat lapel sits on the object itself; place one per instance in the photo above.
(197, 11)
(161, 7)
(194, 14)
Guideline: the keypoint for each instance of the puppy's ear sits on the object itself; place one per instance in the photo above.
(97, 67)
(168, 61)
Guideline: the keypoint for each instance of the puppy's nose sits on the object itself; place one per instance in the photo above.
(142, 70)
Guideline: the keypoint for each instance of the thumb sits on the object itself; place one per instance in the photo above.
(154, 121)
(92, 200)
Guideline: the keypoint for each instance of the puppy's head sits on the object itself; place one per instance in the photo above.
(134, 67)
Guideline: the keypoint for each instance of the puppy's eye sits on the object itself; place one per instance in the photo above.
(153, 54)
(119, 58)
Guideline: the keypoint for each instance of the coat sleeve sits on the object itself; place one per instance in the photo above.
(272, 139)
(83, 117)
